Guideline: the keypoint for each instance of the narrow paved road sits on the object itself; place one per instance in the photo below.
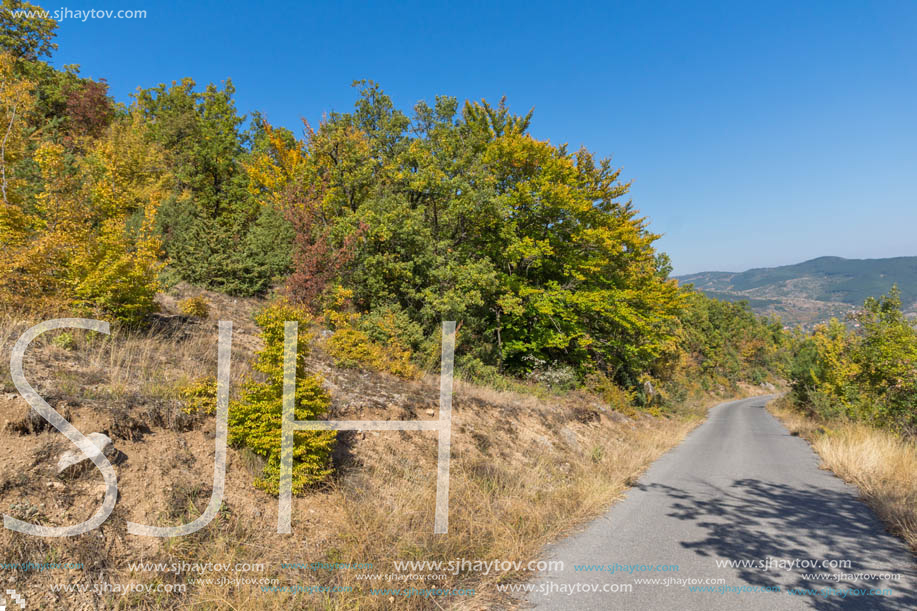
(739, 488)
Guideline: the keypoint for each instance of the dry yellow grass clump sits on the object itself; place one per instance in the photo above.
(881, 464)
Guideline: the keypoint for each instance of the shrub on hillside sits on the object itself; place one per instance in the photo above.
(64, 340)
(376, 340)
(231, 254)
(556, 376)
(194, 306)
(473, 369)
(617, 398)
(199, 396)
(255, 420)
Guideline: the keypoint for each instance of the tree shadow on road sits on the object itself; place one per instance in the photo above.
(755, 520)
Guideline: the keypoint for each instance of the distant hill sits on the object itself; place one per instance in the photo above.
(813, 291)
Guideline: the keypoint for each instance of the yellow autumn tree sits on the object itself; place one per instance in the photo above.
(837, 370)
(270, 168)
(84, 240)
(115, 268)
(16, 103)
(30, 224)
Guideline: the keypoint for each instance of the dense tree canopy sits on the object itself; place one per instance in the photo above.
(452, 211)
(461, 214)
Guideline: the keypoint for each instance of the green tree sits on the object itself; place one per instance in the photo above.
(214, 231)
(25, 31)
(868, 373)
(462, 215)
(886, 357)
(723, 343)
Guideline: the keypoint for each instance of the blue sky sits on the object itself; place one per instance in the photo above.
(756, 134)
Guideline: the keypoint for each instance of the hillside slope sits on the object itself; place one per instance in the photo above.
(524, 470)
(813, 291)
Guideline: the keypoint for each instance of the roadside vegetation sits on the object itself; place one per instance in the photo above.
(528, 464)
(854, 397)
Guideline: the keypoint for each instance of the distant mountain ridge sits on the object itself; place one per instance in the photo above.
(813, 291)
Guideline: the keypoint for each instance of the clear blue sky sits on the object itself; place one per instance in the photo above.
(756, 133)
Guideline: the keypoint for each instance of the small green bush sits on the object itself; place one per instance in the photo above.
(255, 420)
(375, 340)
(64, 340)
(617, 398)
(195, 306)
(199, 396)
(389, 325)
(473, 369)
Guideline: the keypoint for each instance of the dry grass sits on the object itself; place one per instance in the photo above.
(525, 470)
(879, 463)
(512, 492)
(150, 364)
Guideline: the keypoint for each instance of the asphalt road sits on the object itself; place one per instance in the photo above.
(739, 488)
